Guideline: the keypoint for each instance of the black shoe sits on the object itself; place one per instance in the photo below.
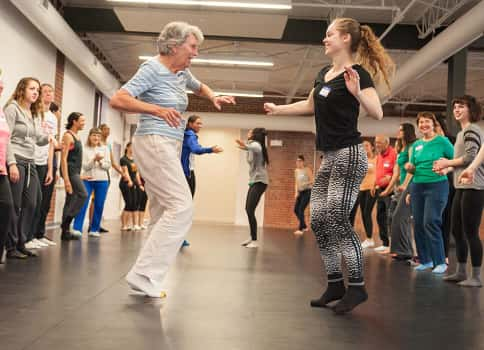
(335, 291)
(14, 254)
(103, 230)
(354, 296)
(27, 252)
(67, 236)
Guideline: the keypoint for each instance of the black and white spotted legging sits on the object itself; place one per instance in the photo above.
(334, 193)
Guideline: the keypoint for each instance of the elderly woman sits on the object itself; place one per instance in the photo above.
(159, 86)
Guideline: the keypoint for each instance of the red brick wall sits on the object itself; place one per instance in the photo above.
(279, 197)
(58, 94)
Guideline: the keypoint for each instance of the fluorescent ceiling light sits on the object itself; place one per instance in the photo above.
(212, 3)
(224, 62)
(236, 93)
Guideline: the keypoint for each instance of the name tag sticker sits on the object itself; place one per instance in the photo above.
(386, 165)
(325, 91)
(419, 148)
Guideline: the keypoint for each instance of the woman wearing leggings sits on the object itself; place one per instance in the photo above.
(303, 181)
(22, 112)
(339, 91)
(71, 164)
(401, 227)
(258, 159)
(366, 197)
(142, 199)
(6, 200)
(468, 201)
(128, 189)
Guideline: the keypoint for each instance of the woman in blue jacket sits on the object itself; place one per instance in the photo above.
(192, 147)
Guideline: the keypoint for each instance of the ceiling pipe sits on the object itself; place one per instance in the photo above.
(457, 36)
(348, 6)
(50, 23)
(398, 18)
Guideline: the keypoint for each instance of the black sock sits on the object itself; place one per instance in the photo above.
(354, 296)
(335, 291)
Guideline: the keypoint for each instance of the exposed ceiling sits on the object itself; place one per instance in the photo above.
(119, 33)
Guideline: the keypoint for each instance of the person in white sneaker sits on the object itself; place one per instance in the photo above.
(257, 158)
(160, 85)
(366, 197)
(96, 161)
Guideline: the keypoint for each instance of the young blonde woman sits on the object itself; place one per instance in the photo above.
(21, 112)
(95, 163)
(339, 90)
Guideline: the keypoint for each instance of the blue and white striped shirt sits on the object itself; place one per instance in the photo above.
(154, 83)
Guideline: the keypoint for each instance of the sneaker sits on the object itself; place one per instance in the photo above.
(144, 227)
(440, 269)
(103, 230)
(137, 228)
(15, 254)
(423, 267)
(40, 243)
(31, 245)
(252, 244)
(76, 233)
(94, 234)
(298, 232)
(47, 241)
(247, 241)
(381, 248)
(143, 284)
(367, 243)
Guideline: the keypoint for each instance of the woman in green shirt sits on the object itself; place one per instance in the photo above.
(429, 192)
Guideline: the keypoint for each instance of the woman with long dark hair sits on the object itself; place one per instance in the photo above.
(401, 228)
(339, 91)
(258, 159)
(22, 111)
(71, 164)
(468, 202)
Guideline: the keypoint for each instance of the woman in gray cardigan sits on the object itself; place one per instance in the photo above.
(21, 112)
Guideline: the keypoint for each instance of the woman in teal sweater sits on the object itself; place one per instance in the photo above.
(428, 193)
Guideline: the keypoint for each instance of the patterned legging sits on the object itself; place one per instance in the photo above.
(333, 196)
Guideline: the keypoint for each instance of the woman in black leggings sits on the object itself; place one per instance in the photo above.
(71, 164)
(258, 179)
(468, 203)
(339, 91)
(128, 189)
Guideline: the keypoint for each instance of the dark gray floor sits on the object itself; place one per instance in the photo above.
(223, 296)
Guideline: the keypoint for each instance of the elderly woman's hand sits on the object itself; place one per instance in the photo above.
(219, 100)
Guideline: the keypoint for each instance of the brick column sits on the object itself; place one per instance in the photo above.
(58, 93)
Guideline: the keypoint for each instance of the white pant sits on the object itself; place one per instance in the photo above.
(171, 205)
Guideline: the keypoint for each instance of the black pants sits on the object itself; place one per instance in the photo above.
(75, 200)
(366, 202)
(142, 198)
(447, 215)
(191, 182)
(466, 217)
(6, 211)
(382, 216)
(25, 194)
(253, 197)
(302, 202)
(129, 196)
(43, 207)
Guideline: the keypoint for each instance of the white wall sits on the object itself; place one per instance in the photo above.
(25, 51)
(216, 177)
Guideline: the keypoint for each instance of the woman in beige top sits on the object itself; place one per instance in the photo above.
(302, 192)
(366, 198)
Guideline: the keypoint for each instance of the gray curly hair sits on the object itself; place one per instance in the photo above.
(175, 34)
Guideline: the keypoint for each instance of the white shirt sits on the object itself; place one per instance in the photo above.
(49, 127)
(96, 170)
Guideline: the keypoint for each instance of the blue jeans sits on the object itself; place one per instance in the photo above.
(100, 189)
(428, 201)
